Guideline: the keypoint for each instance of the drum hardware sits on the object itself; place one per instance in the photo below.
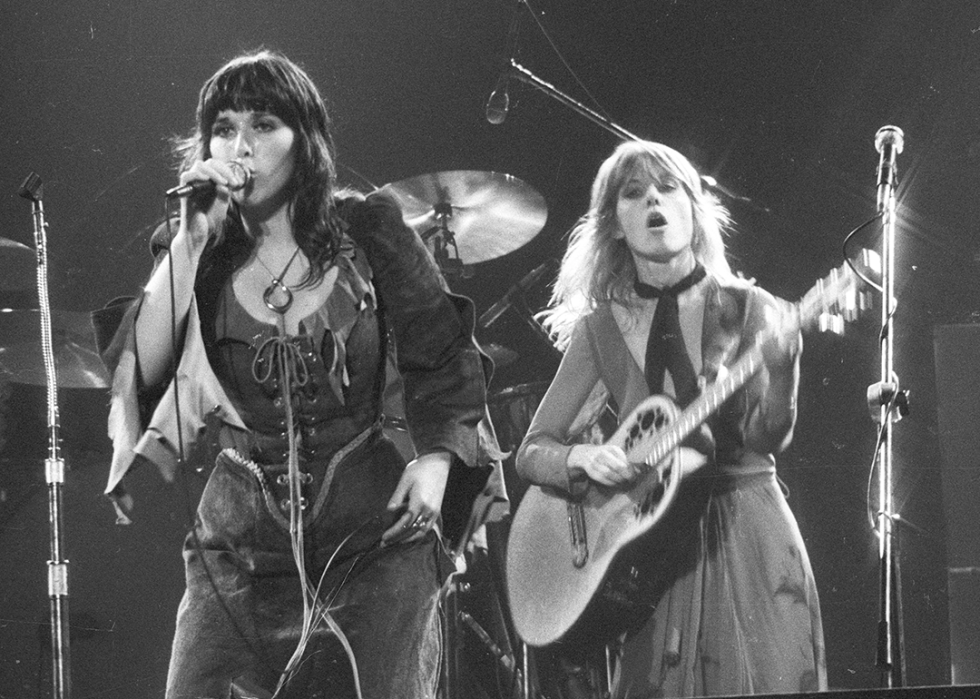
(512, 673)
(501, 356)
(483, 656)
(516, 298)
(442, 238)
(491, 214)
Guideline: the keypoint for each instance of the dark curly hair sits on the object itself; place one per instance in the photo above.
(268, 81)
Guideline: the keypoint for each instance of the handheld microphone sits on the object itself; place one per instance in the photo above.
(186, 190)
(507, 300)
(889, 141)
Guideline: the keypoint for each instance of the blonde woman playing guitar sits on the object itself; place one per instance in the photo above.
(719, 597)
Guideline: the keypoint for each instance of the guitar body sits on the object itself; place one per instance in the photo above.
(553, 574)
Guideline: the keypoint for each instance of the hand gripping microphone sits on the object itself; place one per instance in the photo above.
(186, 190)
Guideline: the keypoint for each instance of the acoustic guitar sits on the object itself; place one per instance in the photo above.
(560, 551)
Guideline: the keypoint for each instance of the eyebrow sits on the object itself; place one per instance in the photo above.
(254, 112)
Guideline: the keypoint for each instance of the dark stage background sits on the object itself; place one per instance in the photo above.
(779, 101)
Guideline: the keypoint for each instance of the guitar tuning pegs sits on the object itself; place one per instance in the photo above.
(865, 300)
(870, 260)
(831, 322)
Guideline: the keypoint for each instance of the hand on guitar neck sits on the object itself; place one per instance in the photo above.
(781, 340)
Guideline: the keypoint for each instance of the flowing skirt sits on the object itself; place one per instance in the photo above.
(737, 610)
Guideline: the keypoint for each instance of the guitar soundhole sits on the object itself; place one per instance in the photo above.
(634, 434)
(654, 418)
(646, 420)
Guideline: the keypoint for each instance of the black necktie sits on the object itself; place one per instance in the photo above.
(665, 344)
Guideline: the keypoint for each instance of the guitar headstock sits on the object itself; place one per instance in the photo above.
(841, 296)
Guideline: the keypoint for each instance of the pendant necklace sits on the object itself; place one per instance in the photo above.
(277, 296)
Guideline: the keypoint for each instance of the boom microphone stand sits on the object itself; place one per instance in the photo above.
(54, 465)
(525, 76)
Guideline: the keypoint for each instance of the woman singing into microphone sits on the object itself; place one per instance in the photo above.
(317, 556)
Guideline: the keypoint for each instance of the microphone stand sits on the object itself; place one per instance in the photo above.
(526, 76)
(891, 404)
(54, 465)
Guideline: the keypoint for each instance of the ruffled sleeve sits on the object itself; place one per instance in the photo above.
(144, 422)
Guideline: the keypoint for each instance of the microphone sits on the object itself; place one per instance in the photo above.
(198, 186)
(499, 101)
(507, 300)
(889, 141)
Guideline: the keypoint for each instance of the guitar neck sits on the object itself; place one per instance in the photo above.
(705, 404)
(826, 293)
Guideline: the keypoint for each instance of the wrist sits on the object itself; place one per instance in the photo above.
(434, 460)
(575, 462)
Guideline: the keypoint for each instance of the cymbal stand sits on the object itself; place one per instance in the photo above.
(54, 465)
(890, 404)
(524, 311)
(442, 237)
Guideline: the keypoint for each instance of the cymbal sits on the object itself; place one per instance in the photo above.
(489, 213)
(17, 266)
(73, 341)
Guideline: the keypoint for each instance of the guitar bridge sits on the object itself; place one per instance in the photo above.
(577, 534)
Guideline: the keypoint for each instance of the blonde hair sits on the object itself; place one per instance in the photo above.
(597, 266)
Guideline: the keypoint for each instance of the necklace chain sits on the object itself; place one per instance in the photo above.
(278, 278)
(278, 297)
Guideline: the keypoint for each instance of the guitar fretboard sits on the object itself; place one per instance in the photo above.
(824, 294)
(704, 405)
